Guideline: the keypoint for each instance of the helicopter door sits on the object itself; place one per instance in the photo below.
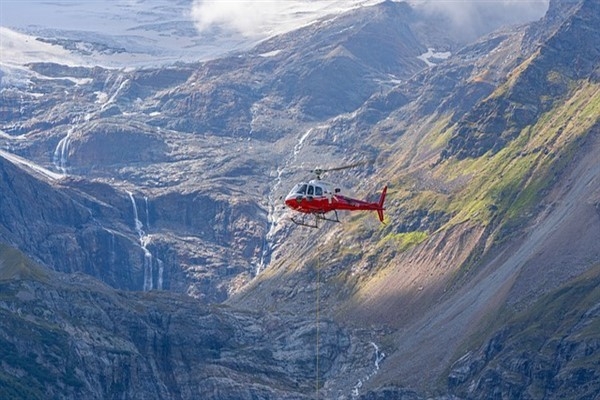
(310, 192)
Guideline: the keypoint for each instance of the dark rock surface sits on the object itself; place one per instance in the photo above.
(71, 337)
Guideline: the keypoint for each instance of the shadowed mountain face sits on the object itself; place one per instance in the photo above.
(68, 336)
(150, 198)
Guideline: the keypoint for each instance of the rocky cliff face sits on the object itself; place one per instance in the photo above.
(536, 87)
(164, 183)
(67, 336)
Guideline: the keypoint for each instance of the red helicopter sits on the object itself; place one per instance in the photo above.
(319, 198)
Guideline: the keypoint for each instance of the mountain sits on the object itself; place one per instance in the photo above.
(155, 260)
(186, 138)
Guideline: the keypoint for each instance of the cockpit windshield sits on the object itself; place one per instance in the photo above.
(299, 189)
(308, 189)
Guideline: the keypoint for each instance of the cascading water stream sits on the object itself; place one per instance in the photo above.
(61, 153)
(273, 215)
(272, 220)
(148, 257)
(379, 356)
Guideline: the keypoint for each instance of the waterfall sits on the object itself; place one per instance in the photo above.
(138, 224)
(61, 153)
(273, 206)
(147, 212)
(144, 241)
(147, 267)
(161, 270)
(272, 220)
(113, 90)
(379, 356)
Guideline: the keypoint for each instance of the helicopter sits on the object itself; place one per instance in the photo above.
(319, 198)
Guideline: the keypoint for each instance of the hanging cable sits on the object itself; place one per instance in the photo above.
(317, 315)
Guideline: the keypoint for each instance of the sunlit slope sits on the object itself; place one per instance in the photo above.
(445, 214)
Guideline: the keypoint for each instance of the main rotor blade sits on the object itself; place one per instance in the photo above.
(320, 171)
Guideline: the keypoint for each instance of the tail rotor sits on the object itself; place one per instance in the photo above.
(380, 207)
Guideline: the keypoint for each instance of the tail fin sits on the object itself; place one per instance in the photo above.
(381, 201)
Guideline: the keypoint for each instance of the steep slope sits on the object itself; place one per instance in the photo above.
(548, 351)
(112, 232)
(494, 185)
(65, 234)
(531, 264)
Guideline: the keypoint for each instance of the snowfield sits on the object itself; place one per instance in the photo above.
(128, 33)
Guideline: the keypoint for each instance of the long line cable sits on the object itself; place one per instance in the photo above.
(317, 312)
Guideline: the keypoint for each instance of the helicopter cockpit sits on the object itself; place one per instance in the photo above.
(311, 189)
(306, 189)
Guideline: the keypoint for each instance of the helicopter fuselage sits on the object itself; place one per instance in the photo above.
(318, 197)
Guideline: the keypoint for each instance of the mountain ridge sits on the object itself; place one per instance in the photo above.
(491, 160)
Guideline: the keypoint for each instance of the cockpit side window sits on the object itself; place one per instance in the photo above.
(318, 191)
(302, 189)
(311, 190)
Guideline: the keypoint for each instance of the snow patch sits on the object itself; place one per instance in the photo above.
(20, 49)
(431, 54)
(270, 53)
(101, 97)
(29, 164)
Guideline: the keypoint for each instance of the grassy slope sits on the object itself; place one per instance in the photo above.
(484, 202)
(498, 191)
(502, 190)
(13, 264)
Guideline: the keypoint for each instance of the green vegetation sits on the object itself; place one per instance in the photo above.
(407, 240)
(500, 191)
(511, 182)
(438, 135)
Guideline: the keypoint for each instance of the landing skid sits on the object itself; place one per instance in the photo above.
(315, 223)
